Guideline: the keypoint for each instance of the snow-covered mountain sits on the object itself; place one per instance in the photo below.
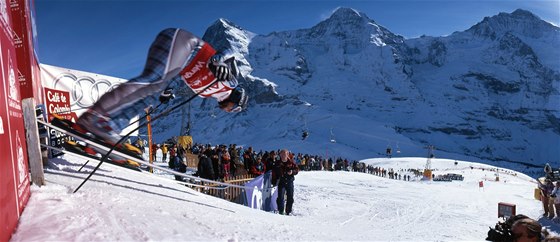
(491, 91)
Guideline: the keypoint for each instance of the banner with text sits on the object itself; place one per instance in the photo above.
(14, 175)
(58, 102)
(27, 64)
(84, 88)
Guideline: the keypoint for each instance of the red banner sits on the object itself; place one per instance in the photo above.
(27, 73)
(8, 196)
(58, 102)
(14, 175)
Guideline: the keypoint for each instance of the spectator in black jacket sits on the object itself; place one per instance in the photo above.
(178, 164)
(205, 168)
(283, 174)
(269, 160)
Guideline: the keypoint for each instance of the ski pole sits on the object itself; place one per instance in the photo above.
(106, 156)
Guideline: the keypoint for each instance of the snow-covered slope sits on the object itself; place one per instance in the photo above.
(490, 92)
(118, 204)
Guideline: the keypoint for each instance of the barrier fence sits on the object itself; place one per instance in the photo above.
(232, 194)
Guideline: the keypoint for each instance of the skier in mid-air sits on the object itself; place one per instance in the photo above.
(175, 56)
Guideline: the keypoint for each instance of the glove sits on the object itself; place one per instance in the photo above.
(166, 95)
(221, 70)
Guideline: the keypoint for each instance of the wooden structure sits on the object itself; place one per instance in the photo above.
(33, 142)
(232, 194)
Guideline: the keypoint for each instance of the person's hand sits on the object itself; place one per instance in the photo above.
(220, 69)
(222, 72)
(166, 95)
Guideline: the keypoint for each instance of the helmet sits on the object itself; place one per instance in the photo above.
(238, 98)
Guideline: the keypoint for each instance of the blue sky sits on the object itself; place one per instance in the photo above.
(112, 37)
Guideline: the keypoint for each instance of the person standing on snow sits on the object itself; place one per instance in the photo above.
(179, 164)
(283, 174)
(546, 190)
(175, 56)
(555, 195)
(164, 152)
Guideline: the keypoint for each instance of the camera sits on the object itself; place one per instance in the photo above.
(502, 230)
(500, 233)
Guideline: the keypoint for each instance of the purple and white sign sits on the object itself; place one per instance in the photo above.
(263, 195)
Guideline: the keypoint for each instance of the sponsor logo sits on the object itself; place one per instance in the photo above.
(14, 4)
(12, 81)
(20, 159)
(196, 68)
(23, 182)
(17, 40)
(85, 90)
(58, 102)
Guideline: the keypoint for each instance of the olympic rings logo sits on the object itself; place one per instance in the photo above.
(85, 90)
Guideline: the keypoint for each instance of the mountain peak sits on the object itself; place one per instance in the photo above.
(521, 13)
(519, 21)
(224, 24)
(351, 25)
(226, 35)
(345, 13)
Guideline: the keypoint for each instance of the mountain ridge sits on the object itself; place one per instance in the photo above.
(486, 92)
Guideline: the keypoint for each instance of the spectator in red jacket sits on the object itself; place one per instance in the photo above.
(258, 168)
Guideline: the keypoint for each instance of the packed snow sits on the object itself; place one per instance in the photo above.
(119, 204)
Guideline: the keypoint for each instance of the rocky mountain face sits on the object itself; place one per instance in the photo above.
(490, 92)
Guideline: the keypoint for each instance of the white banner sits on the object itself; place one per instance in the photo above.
(85, 88)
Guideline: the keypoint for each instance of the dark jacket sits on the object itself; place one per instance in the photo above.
(178, 164)
(281, 170)
(205, 168)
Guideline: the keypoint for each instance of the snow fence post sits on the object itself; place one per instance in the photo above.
(33, 143)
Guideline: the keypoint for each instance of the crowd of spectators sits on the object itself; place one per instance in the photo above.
(220, 162)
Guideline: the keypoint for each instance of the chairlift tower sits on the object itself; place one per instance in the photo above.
(185, 130)
(428, 168)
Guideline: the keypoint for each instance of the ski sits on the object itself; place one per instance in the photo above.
(88, 157)
(69, 127)
(88, 151)
(135, 159)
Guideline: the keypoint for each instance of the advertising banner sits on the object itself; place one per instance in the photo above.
(5, 19)
(14, 175)
(57, 102)
(15, 123)
(34, 46)
(84, 88)
(8, 200)
(22, 35)
(263, 195)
